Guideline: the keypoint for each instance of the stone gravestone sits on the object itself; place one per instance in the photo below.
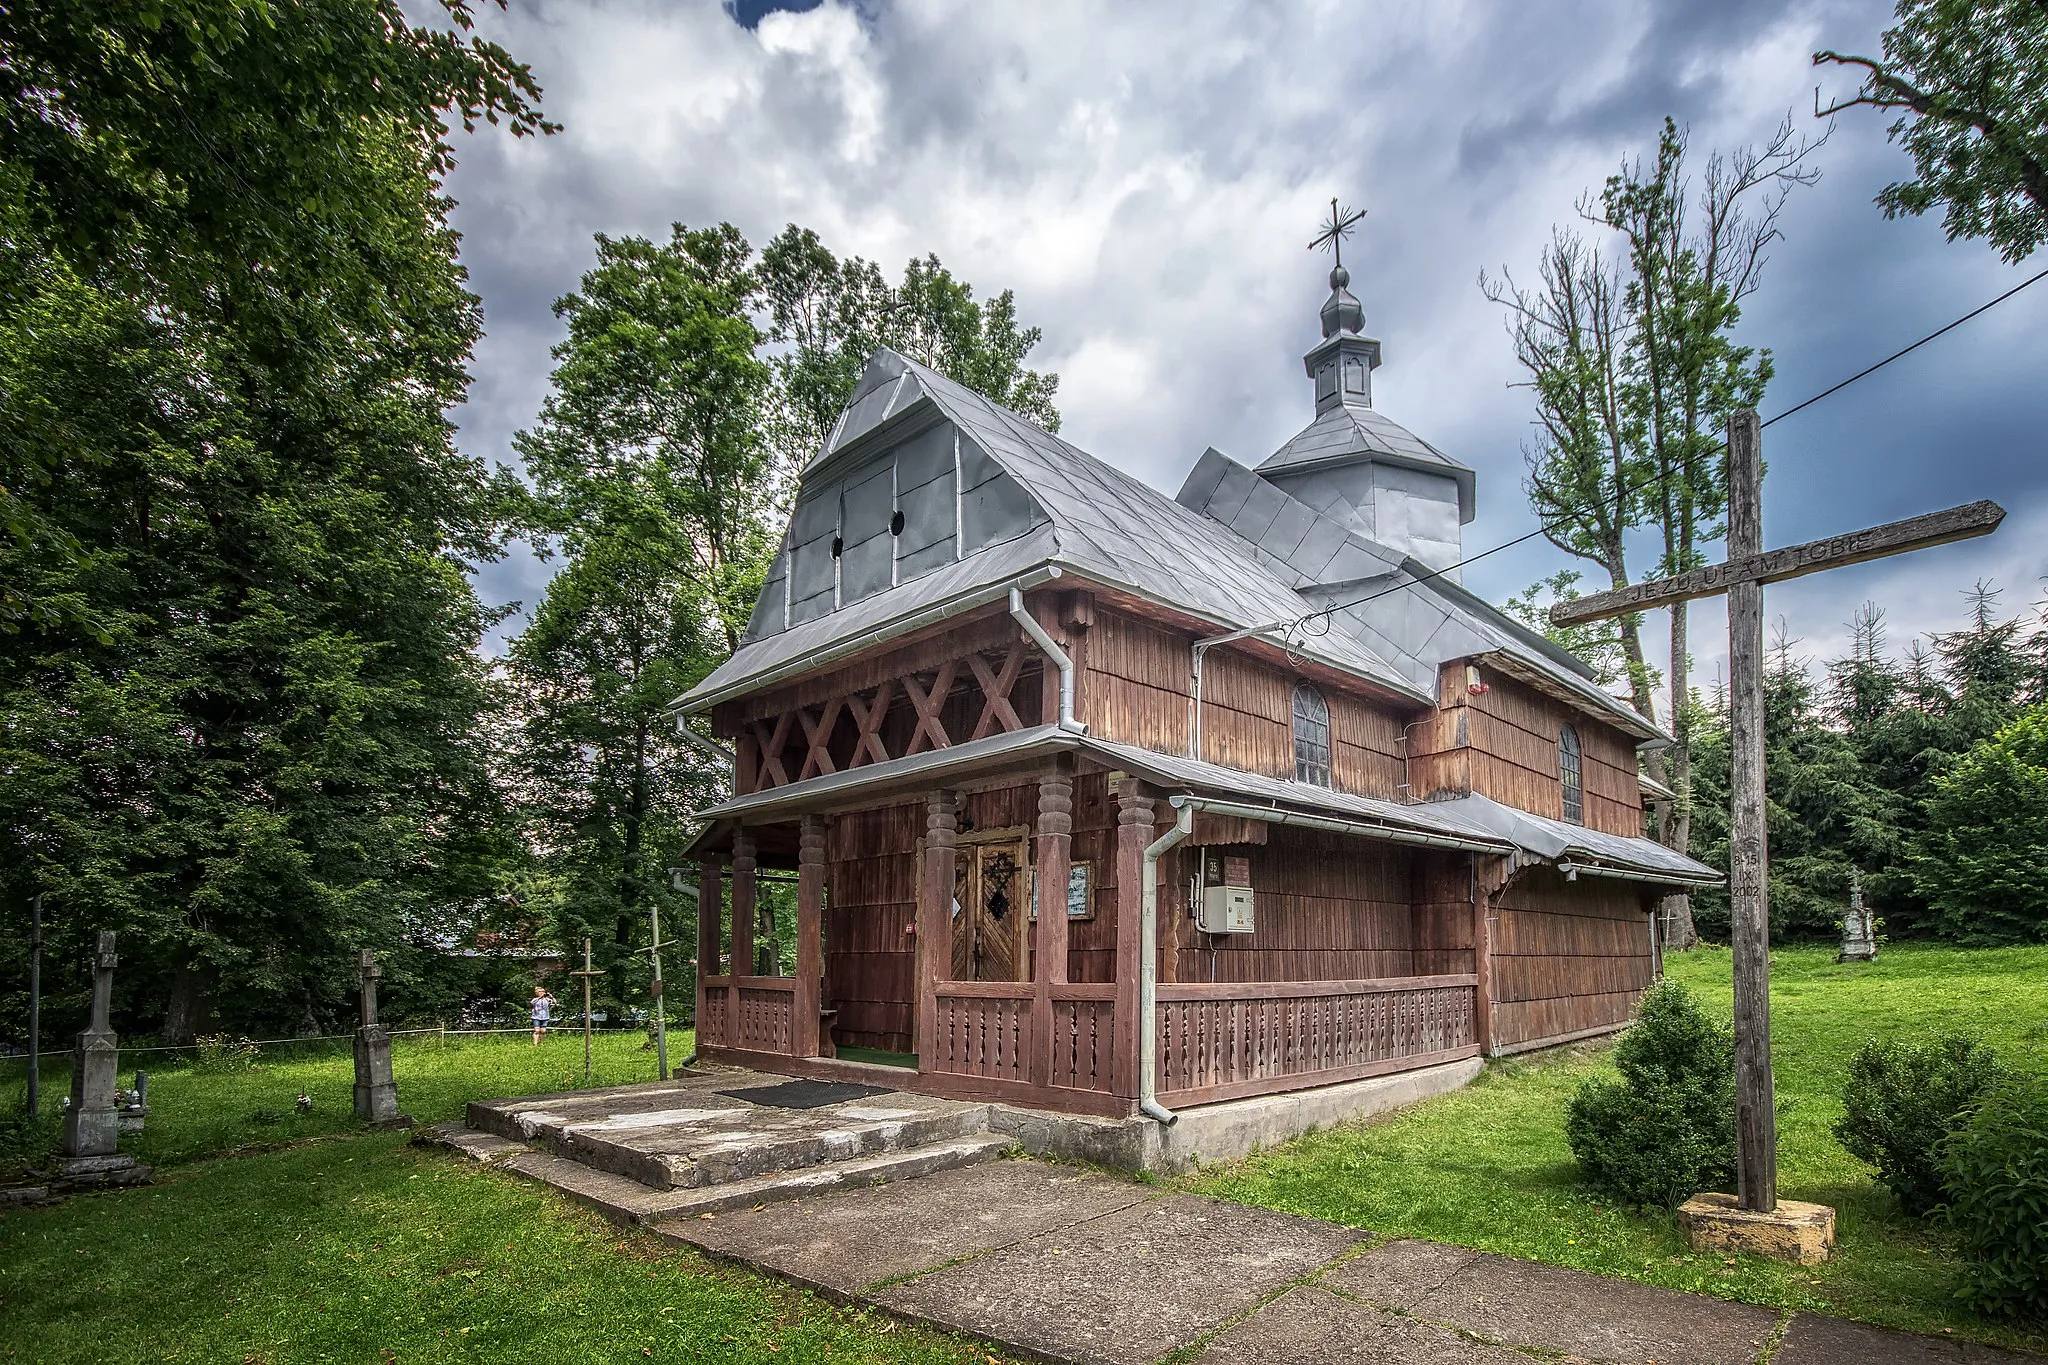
(92, 1121)
(1859, 927)
(376, 1092)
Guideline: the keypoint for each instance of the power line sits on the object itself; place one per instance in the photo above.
(1910, 349)
(1639, 486)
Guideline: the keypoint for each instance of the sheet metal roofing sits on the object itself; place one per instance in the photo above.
(1233, 550)
(1475, 819)
(1097, 522)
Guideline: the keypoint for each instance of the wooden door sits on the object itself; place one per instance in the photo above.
(992, 890)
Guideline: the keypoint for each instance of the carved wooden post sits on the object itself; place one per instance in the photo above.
(1054, 863)
(810, 937)
(1133, 833)
(935, 917)
(709, 908)
(743, 902)
(1486, 876)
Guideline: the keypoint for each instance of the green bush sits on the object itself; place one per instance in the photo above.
(1901, 1102)
(1995, 1171)
(1666, 1130)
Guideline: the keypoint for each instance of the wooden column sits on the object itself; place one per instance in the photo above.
(1054, 858)
(1133, 832)
(710, 908)
(744, 897)
(1482, 956)
(935, 915)
(810, 936)
(1756, 1122)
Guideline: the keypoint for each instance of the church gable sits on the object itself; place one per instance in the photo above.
(916, 495)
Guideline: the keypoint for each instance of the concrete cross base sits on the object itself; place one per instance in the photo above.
(1801, 1233)
(376, 1094)
(92, 1172)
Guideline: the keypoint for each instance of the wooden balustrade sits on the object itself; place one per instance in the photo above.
(1083, 1036)
(762, 1011)
(711, 1015)
(1224, 1040)
(983, 1029)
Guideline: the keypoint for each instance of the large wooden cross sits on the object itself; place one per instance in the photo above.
(1742, 578)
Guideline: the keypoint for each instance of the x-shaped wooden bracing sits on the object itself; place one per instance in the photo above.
(927, 701)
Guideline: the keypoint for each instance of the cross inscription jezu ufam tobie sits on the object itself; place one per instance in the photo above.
(1742, 580)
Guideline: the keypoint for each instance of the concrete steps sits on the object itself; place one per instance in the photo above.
(626, 1201)
(705, 1154)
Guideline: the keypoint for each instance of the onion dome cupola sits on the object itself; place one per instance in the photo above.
(1353, 463)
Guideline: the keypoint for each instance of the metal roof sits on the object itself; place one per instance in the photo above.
(1402, 610)
(1474, 819)
(1090, 519)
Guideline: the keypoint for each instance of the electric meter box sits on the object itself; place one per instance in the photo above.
(1226, 910)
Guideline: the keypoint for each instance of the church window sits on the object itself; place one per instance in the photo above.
(1311, 736)
(1572, 773)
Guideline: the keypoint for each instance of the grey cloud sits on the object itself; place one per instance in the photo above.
(1146, 178)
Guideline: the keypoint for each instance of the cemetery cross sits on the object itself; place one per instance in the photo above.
(587, 973)
(1742, 577)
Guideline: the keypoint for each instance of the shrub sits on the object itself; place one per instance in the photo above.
(217, 1053)
(1666, 1130)
(1902, 1101)
(1995, 1172)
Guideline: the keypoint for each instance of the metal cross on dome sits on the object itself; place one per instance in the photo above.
(1341, 225)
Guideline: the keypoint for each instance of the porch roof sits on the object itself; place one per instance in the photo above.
(1472, 820)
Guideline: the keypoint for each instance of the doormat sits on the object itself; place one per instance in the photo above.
(806, 1094)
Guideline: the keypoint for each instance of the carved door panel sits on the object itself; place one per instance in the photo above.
(992, 889)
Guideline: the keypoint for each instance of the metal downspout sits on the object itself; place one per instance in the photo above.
(1148, 963)
(1061, 660)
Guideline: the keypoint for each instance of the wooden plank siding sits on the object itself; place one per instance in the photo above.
(1137, 682)
(1567, 956)
(1503, 743)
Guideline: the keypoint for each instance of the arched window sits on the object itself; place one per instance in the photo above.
(1311, 736)
(1570, 771)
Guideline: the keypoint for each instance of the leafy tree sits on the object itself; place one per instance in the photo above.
(1982, 864)
(651, 477)
(830, 315)
(244, 722)
(1602, 644)
(1635, 370)
(1970, 78)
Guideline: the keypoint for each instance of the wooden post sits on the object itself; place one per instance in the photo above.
(709, 910)
(935, 916)
(1756, 1127)
(1482, 957)
(810, 937)
(1133, 833)
(744, 896)
(1054, 861)
(588, 973)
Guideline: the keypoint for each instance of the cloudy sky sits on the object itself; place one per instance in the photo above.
(1145, 175)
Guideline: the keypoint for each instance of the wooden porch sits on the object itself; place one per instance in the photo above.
(1049, 1042)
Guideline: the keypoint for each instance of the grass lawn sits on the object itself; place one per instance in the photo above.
(319, 1241)
(196, 1113)
(358, 1249)
(1488, 1167)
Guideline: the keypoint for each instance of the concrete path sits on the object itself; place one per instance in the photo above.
(1067, 1265)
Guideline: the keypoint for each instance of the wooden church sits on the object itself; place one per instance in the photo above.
(1115, 804)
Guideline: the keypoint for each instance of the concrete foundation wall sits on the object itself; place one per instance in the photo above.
(1222, 1132)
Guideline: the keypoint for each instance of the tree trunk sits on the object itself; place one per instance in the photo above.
(1676, 911)
(190, 1011)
